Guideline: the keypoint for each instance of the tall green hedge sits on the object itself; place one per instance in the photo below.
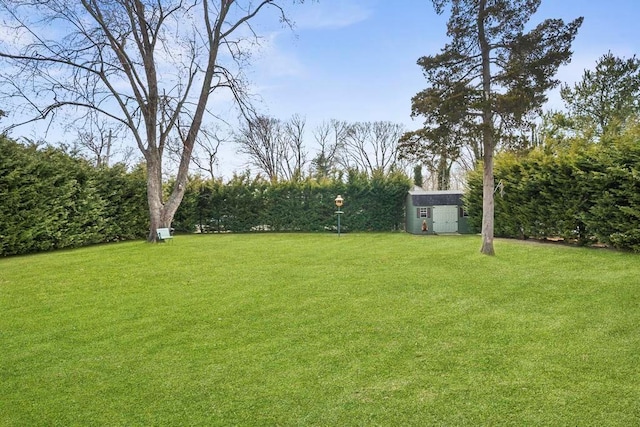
(124, 193)
(612, 184)
(590, 196)
(51, 200)
(253, 204)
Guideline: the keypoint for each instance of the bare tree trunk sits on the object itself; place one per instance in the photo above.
(487, 203)
(154, 197)
(487, 138)
(107, 157)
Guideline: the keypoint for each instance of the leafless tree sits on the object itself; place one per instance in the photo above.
(260, 141)
(330, 138)
(273, 147)
(98, 139)
(372, 146)
(295, 155)
(97, 144)
(205, 156)
(150, 65)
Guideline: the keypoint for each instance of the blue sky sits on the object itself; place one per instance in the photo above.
(355, 60)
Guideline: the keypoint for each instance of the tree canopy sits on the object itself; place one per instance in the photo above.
(489, 79)
(606, 97)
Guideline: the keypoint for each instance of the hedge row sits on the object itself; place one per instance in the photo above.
(51, 200)
(245, 204)
(592, 196)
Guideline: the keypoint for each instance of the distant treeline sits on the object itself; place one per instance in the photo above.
(587, 193)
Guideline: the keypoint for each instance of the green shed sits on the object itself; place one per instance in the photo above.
(435, 212)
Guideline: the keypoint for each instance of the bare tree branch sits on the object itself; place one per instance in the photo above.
(372, 147)
(151, 65)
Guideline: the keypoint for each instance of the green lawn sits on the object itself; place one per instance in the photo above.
(312, 329)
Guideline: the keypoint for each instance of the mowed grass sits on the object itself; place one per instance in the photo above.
(312, 329)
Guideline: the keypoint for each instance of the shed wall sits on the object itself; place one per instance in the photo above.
(417, 204)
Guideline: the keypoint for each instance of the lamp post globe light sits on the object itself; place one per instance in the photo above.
(339, 202)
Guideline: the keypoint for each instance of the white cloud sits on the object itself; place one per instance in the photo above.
(331, 14)
(272, 60)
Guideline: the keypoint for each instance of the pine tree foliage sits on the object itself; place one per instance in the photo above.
(606, 97)
(490, 77)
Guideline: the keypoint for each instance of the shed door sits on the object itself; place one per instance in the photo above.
(445, 219)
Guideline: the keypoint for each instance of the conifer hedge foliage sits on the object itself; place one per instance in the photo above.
(247, 204)
(589, 195)
(51, 200)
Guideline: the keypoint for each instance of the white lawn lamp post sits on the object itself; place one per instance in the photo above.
(339, 201)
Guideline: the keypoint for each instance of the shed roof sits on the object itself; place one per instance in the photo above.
(420, 197)
(419, 190)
